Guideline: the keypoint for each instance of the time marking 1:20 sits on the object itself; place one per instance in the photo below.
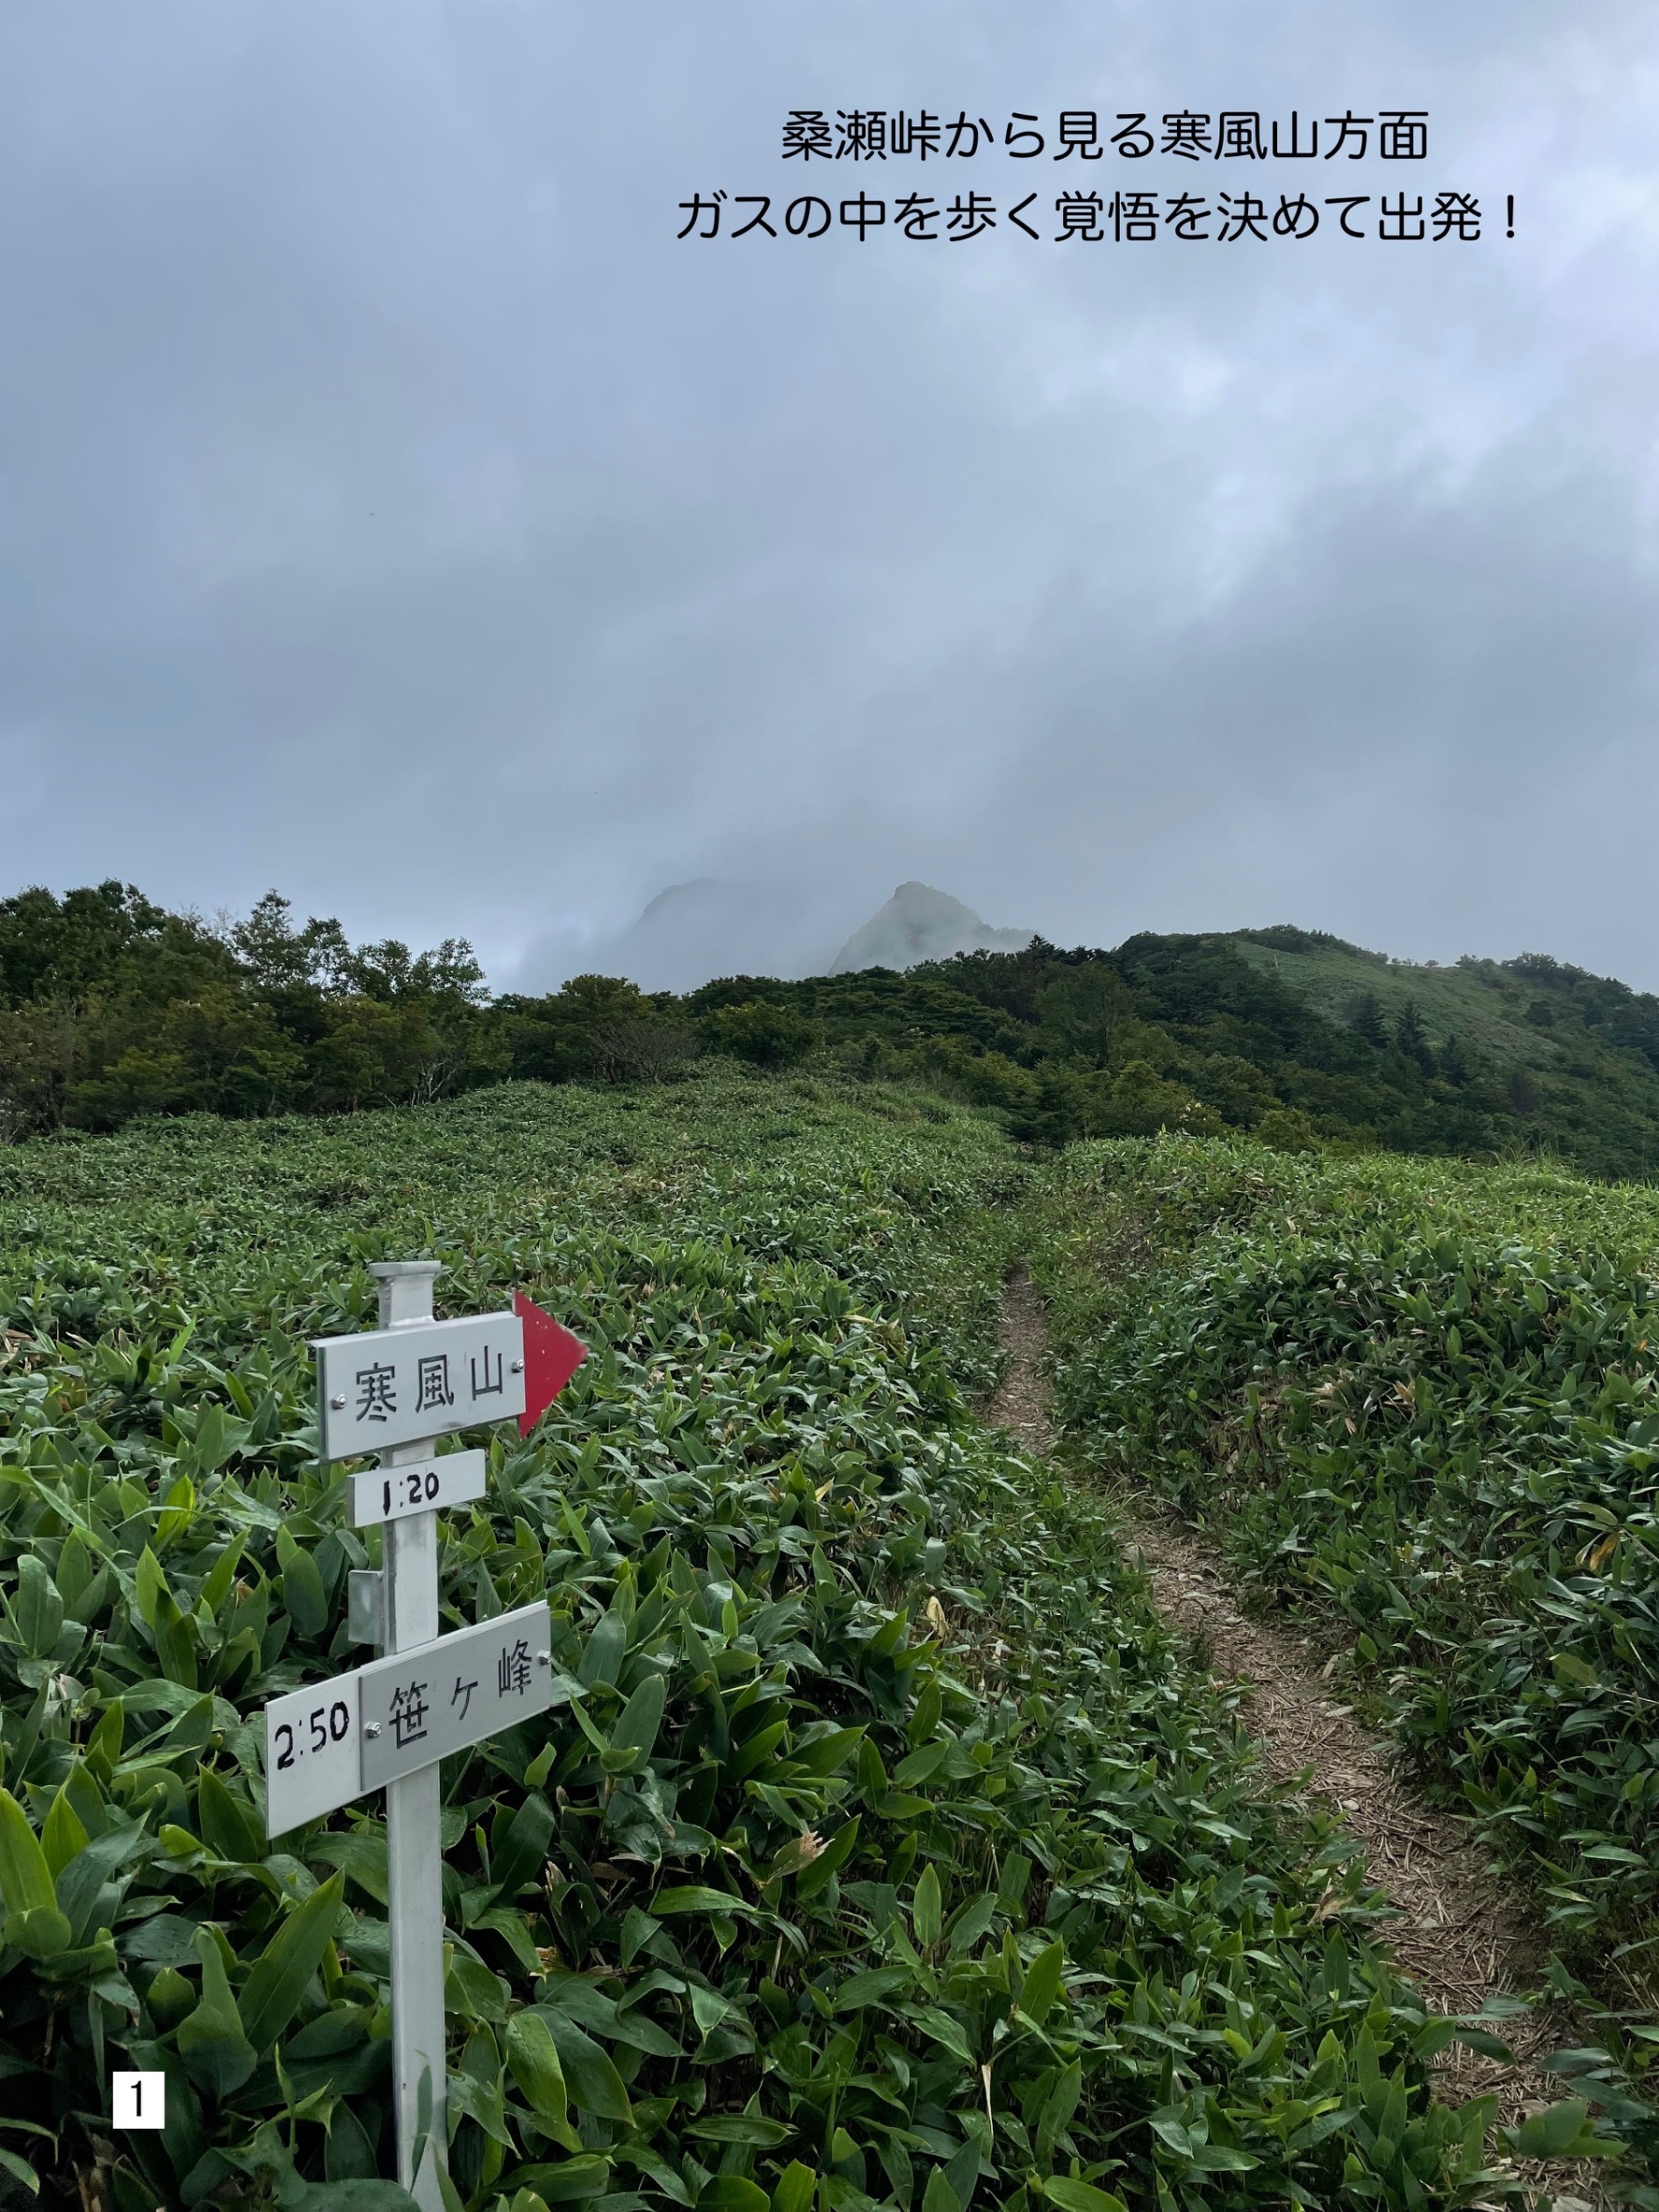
(388, 1492)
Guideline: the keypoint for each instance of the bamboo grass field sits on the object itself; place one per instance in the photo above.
(883, 1847)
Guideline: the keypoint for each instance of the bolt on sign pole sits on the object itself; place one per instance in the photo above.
(414, 1833)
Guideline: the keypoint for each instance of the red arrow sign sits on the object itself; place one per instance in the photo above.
(552, 1357)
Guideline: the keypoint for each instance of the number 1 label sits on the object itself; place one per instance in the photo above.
(138, 2099)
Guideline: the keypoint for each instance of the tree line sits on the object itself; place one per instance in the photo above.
(112, 1007)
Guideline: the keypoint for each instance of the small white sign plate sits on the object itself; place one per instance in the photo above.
(312, 1755)
(138, 2099)
(388, 1493)
(417, 1707)
(428, 1379)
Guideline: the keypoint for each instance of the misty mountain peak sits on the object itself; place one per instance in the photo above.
(919, 923)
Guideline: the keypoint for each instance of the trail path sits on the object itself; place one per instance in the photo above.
(1458, 1936)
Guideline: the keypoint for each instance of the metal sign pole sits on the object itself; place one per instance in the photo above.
(387, 1724)
(414, 1862)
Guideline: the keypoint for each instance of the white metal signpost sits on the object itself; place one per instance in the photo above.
(396, 1390)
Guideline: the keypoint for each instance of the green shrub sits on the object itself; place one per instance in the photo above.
(760, 1031)
(1286, 1129)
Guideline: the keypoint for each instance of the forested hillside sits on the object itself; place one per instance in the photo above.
(112, 1008)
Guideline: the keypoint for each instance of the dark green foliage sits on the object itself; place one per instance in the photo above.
(1081, 1011)
(1285, 1129)
(760, 1031)
(1010, 981)
(1625, 1018)
(110, 1008)
(1238, 1027)
(1136, 1101)
(1422, 1401)
(1366, 1019)
(876, 1005)
(597, 1028)
(102, 942)
(1412, 1038)
(1452, 1062)
(881, 1849)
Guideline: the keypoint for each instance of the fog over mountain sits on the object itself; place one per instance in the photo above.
(919, 923)
(689, 932)
(693, 932)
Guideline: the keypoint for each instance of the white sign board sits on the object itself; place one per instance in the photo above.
(417, 1707)
(313, 1752)
(421, 1486)
(427, 1378)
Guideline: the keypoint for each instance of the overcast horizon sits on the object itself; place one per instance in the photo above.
(398, 512)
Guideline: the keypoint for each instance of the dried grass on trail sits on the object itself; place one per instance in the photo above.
(1460, 1937)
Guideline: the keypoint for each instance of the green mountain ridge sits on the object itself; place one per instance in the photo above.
(1558, 1027)
(1204, 1031)
(1488, 1002)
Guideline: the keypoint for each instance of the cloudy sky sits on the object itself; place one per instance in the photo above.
(393, 510)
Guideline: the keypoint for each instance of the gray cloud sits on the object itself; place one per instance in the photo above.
(396, 511)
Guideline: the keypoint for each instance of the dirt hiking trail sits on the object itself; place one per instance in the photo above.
(1458, 1936)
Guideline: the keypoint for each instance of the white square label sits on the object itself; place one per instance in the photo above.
(138, 2099)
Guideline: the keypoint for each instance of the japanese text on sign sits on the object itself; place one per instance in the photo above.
(391, 1386)
(421, 1705)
